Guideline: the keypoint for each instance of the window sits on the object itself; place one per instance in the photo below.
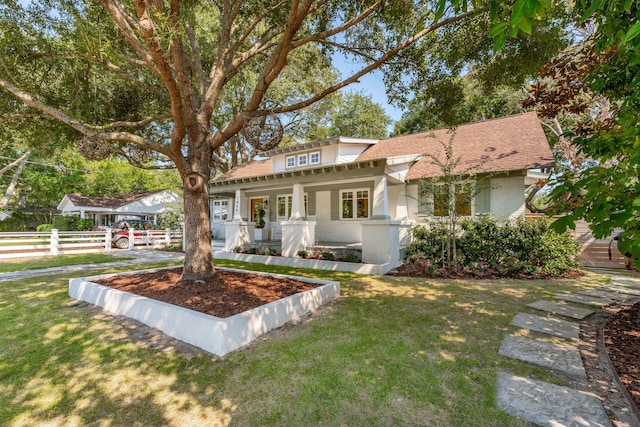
(219, 210)
(314, 158)
(302, 159)
(434, 202)
(290, 161)
(285, 204)
(355, 204)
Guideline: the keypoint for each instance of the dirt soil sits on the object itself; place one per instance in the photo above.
(622, 341)
(226, 294)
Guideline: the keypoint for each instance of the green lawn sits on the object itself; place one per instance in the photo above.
(22, 264)
(390, 351)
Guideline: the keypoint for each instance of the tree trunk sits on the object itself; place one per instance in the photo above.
(14, 181)
(198, 260)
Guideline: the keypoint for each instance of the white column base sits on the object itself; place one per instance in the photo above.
(296, 236)
(381, 242)
(237, 233)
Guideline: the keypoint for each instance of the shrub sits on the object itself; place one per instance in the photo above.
(71, 223)
(352, 256)
(270, 252)
(329, 256)
(490, 247)
(252, 251)
(303, 254)
(239, 249)
(43, 228)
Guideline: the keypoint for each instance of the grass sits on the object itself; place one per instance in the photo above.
(390, 351)
(23, 264)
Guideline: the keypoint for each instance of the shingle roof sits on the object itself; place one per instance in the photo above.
(108, 202)
(499, 145)
(246, 170)
(505, 144)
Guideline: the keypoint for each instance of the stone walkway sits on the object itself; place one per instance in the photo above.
(141, 256)
(547, 404)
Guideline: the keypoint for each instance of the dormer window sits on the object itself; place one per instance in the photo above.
(314, 158)
(303, 159)
(290, 161)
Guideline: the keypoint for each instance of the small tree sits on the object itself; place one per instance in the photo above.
(452, 193)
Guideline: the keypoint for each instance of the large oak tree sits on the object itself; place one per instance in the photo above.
(155, 79)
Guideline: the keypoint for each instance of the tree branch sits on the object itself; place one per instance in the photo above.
(140, 123)
(354, 78)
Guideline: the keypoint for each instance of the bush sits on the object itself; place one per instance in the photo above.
(71, 223)
(352, 256)
(44, 228)
(252, 251)
(490, 247)
(303, 254)
(270, 252)
(329, 256)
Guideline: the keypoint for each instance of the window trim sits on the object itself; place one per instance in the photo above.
(286, 161)
(311, 162)
(304, 156)
(289, 200)
(355, 199)
(216, 206)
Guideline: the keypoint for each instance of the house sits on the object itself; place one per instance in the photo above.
(106, 211)
(366, 193)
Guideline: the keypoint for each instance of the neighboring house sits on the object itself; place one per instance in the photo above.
(107, 211)
(363, 191)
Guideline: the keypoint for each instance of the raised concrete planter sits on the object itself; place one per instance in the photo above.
(213, 334)
(317, 264)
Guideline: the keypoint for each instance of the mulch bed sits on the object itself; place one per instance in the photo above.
(223, 295)
(622, 341)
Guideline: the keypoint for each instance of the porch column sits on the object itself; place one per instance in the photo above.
(239, 232)
(297, 203)
(81, 213)
(380, 199)
(240, 206)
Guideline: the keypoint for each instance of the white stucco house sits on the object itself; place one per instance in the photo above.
(106, 211)
(365, 193)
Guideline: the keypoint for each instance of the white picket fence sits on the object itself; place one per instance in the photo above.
(26, 244)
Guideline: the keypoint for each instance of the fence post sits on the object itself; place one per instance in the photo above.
(54, 242)
(107, 240)
(184, 239)
(148, 239)
(131, 239)
(167, 236)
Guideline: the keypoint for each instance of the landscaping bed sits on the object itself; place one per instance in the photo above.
(225, 294)
(622, 341)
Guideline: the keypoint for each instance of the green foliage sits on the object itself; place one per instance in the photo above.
(270, 252)
(303, 254)
(260, 223)
(45, 227)
(20, 221)
(352, 256)
(252, 250)
(71, 223)
(490, 247)
(171, 218)
(329, 256)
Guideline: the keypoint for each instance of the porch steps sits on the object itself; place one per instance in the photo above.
(595, 252)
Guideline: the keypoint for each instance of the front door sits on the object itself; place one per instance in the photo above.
(256, 206)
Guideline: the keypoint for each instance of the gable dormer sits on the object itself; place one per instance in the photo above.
(319, 153)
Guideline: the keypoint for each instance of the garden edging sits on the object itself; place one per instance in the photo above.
(317, 264)
(213, 334)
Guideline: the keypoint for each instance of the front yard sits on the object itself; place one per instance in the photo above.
(390, 351)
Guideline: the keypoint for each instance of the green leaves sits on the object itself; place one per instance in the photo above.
(632, 33)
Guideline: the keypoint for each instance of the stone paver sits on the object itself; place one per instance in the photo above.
(549, 405)
(559, 357)
(584, 299)
(562, 309)
(622, 290)
(607, 294)
(547, 325)
(625, 283)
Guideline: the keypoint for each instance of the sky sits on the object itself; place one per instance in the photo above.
(371, 84)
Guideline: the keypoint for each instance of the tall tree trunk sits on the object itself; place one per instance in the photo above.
(14, 181)
(198, 260)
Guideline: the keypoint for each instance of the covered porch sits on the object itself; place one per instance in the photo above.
(314, 212)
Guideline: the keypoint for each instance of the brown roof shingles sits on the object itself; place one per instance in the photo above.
(247, 170)
(108, 202)
(499, 145)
